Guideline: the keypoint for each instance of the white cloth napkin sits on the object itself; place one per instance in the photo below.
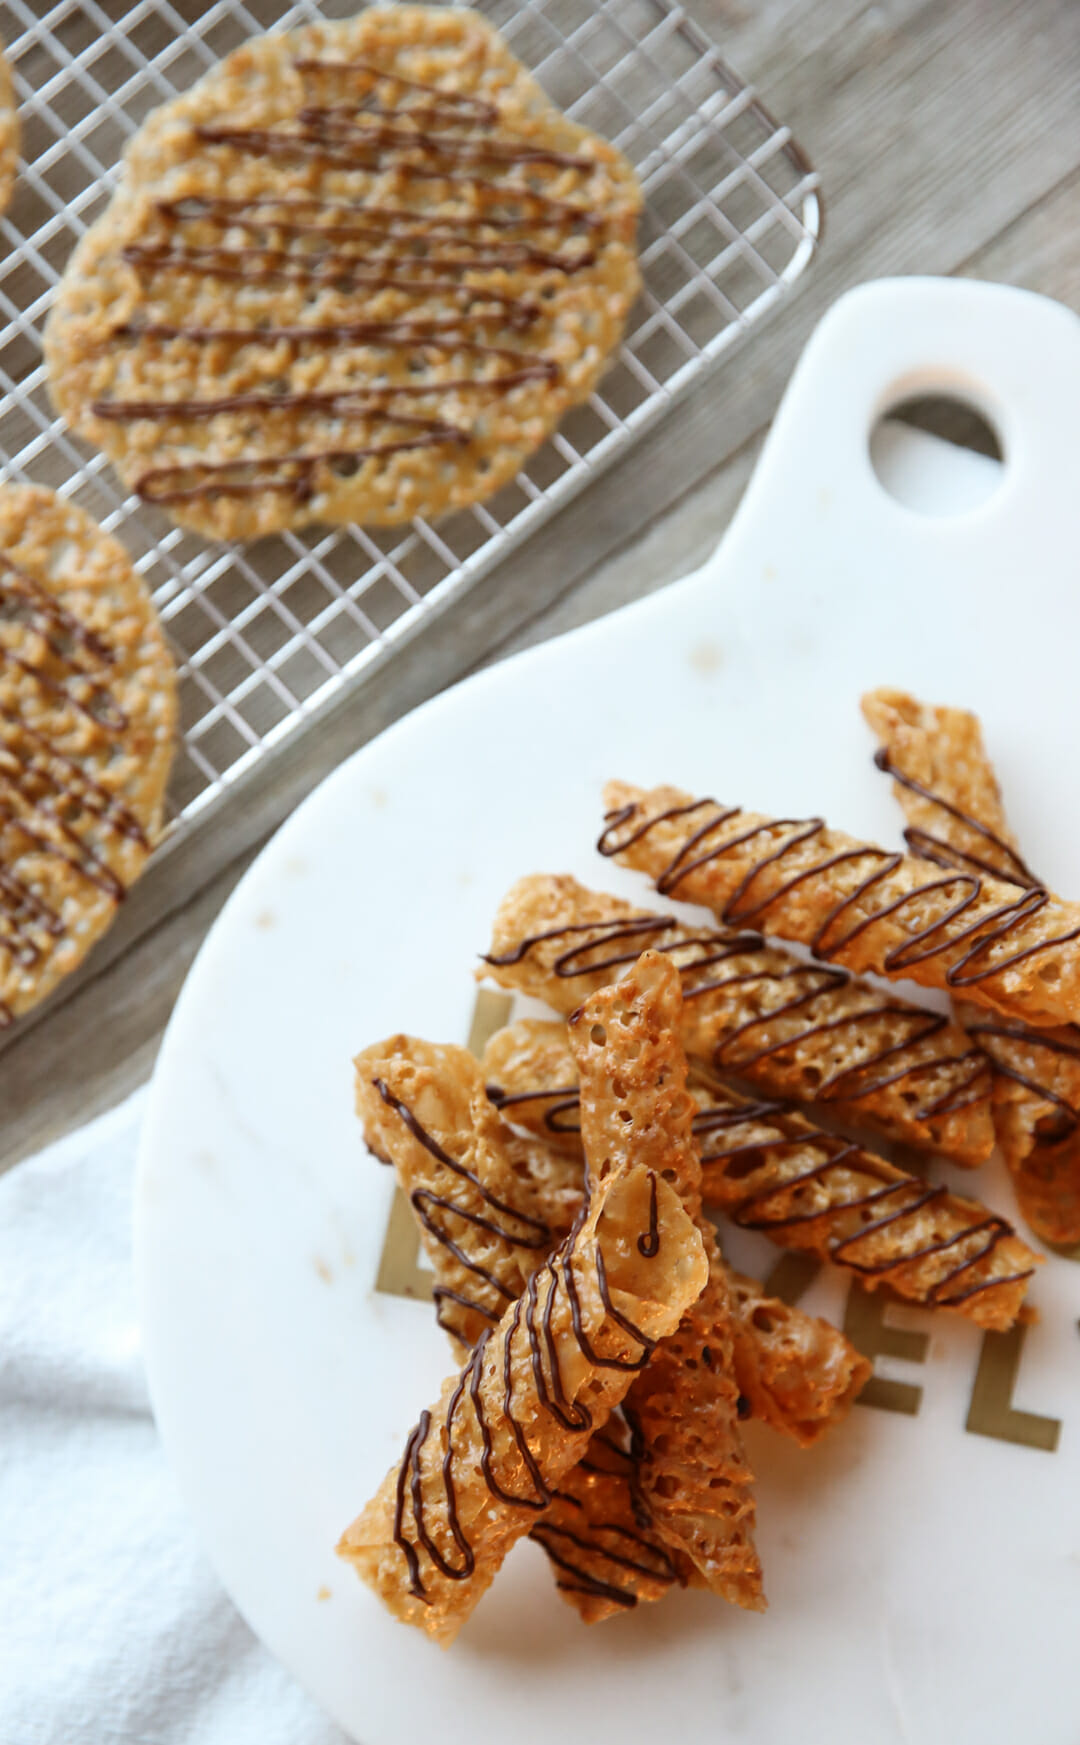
(113, 1627)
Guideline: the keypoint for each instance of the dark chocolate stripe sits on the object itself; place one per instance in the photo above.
(1006, 865)
(596, 950)
(527, 1318)
(509, 1226)
(378, 120)
(863, 1184)
(975, 937)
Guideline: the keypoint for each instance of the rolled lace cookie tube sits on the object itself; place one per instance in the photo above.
(945, 782)
(795, 1372)
(848, 1204)
(771, 1170)
(802, 1031)
(605, 1552)
(424, 1109)
(555, 1177)
(600, 1538)
(693, 1471)
(532, 1078)
(853, 903)
(484, 1461)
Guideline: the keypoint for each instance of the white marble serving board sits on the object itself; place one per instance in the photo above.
(924, 1579)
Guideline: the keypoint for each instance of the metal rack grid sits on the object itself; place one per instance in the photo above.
(267, 634)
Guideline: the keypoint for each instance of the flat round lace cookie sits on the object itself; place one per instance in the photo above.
(9, 134)
(87, 728)
(357, 273)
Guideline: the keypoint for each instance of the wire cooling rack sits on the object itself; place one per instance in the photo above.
(266, 634)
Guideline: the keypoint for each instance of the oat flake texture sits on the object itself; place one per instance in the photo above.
(357, 273)
(87, 730)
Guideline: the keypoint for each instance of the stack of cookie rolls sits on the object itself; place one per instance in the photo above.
(795, 1067)
(769, 1168)
(795, 1030)
(483, 1195)
(487, 1219)
(853, 903)
(484, 1462)
(796, 1372)
(635, 1106)
(950, 796)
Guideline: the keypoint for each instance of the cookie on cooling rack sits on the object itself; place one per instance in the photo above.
(358, 273)
(9, 134)
(87, 728)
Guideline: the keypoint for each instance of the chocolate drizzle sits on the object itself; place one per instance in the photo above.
(649, 1245)
(974, 938)
(393, 228)
(294, 473)
(565, 1099)
(367, 400)
(76, 662)
(594, 1555)
(433, 100)
(278, 266)
(748, 1047)
(944, 850)
(532, 1321)
(331, 137)
(1066, 1119)
(370, 120)
(46, 798)
(586, 1559)
(398, 333)
(863, 1197)
(579, 960)
(22, 598)
(516, 1228)
(417, 1437)
(53, 781)
(649, 1562)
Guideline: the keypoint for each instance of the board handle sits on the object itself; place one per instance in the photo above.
(1013, 355)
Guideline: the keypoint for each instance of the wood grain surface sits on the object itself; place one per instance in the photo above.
(946, 140)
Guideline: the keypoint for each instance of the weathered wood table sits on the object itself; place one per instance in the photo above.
(947, 141)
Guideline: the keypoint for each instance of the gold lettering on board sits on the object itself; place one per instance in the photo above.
(791, 1277)
(400, 1274)
(490, 1013)
(870, 1333)
(992, 1412)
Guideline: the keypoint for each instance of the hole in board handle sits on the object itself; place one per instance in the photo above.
(906, 452)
